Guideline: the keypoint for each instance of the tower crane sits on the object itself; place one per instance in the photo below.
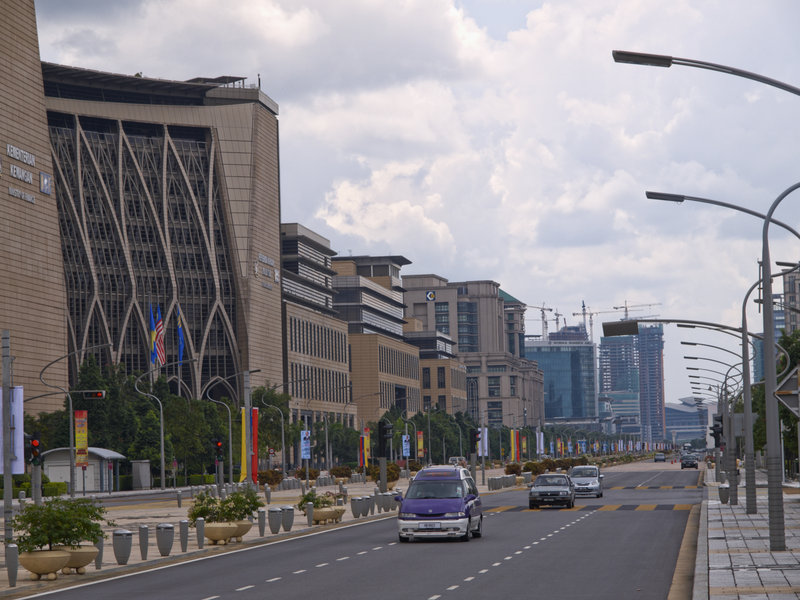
(543, 310)
(626, 307)
(585, 311)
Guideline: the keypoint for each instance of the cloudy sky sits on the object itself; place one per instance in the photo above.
(497, 139)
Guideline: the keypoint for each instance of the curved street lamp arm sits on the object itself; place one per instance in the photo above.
(52, 362)
(662, 60)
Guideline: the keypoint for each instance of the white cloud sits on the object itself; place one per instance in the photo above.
(498, 139)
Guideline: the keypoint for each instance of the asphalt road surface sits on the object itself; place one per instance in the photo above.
(623, 545)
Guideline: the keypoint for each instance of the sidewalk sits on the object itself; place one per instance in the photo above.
(151, 512)
(733, 556)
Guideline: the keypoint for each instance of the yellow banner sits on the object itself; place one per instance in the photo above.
(81, 438)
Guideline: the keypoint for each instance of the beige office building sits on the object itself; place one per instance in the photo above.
(33, 299)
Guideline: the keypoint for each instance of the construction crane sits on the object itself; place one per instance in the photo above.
(626, 307)
(586, 312)
(543, 310)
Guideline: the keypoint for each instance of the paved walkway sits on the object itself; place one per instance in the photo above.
(733, 556)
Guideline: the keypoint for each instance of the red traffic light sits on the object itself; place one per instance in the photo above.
(219, 444)
(94, 394)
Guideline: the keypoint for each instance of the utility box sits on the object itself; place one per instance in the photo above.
(142, 480)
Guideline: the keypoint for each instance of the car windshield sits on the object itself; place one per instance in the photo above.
(543, 481)
(690, 457)
(584, 472)
(435, 489)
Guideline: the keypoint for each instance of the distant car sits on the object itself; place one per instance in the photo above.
(552, 488)
(659, 457)
(588, 480)
(441, 501)
(457, 461)
(689, 461)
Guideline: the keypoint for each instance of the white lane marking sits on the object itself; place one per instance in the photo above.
(273, 580)
(535, 543)
(496, 564)
(469, 578)
(211, 598)
(343, 558)
(378, 547)
(452, 587)
(298, 572)
(518, 552)
(392, 543)
(247, 587)
(322, 565)
(482, 571)
(436, 597)
(362, 552)
(527, 548)
(508, 558)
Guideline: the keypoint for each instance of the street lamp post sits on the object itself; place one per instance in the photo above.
(283, 439)
(777, 532)
(70, 419)
(160, 411)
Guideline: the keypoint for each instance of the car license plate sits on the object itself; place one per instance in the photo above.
(430, 525)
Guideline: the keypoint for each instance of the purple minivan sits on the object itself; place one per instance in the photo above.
(441, 501)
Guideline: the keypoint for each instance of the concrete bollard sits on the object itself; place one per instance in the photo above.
(267, 494)
(21, 498)
(275, 518)
(287, 517)
(122, 542)
(12, 564)
(184, 534)
(165, 536)
(178, 493)
(144, 540)
(200, 525)
(310, 513)
(98, 560)
(355, 507)
(371, 500)
(344, 493)
(262, 522)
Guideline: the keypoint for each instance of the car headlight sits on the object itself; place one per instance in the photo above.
(454, 515)
(406, 515)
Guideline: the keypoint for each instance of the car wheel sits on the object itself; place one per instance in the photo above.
(402, 540)
(466, 536)
(479, 531)
(600, 495)
(533, 505)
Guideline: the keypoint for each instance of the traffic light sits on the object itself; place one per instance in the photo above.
(94, 394)
(218, 448)
(388, 430)
(36, 449)
(474, 436)
(716, 431)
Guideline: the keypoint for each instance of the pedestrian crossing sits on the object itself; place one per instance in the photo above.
(598, 507)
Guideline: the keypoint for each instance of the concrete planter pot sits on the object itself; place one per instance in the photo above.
(724, 493)
(79, 557)
(326, 514)
(45, 563)
(219, 533)
(274, 519)
(242, 527)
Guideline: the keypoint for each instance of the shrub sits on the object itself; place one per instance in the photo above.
(318, 500)
(59, 522)
(240, 505)
(300, 473)
(513, 469)
(414, 465)
(270, 477)
(341, 471)
(392, 472)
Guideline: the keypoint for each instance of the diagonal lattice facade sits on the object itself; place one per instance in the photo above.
(142, 225)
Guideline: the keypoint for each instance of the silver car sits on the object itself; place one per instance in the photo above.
(588, 480)
(552, 488)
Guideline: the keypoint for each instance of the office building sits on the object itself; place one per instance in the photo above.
(385, 370)
(317, 373)
(686, 420)
(168, 200)
(31, 270)
(503, 387)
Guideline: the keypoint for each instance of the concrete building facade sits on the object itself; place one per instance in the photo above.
(33, 308)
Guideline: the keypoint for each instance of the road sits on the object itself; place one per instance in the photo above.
(624, 545)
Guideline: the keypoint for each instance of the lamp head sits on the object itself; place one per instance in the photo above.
(640, 58)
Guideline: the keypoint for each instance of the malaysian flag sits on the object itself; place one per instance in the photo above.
(162, 356)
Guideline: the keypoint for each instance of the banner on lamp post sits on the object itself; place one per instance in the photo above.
(17, 437)
(81, 438)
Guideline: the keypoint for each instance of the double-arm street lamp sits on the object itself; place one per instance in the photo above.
(70, 417)
(777, 532)
(160, 409)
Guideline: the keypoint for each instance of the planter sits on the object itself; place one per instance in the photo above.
(79, 557)
(327, 514)
(219, 533)
(724, 493)
(242, 527)
(44, 562)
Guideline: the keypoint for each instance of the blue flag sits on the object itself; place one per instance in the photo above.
(152, 337)
(181, 341)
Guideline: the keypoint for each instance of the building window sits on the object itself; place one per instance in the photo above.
(426, 378)
(440, 378)
(494, 387)
(496, 368)
(441, 403)
(426, 403)
(513, 382)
